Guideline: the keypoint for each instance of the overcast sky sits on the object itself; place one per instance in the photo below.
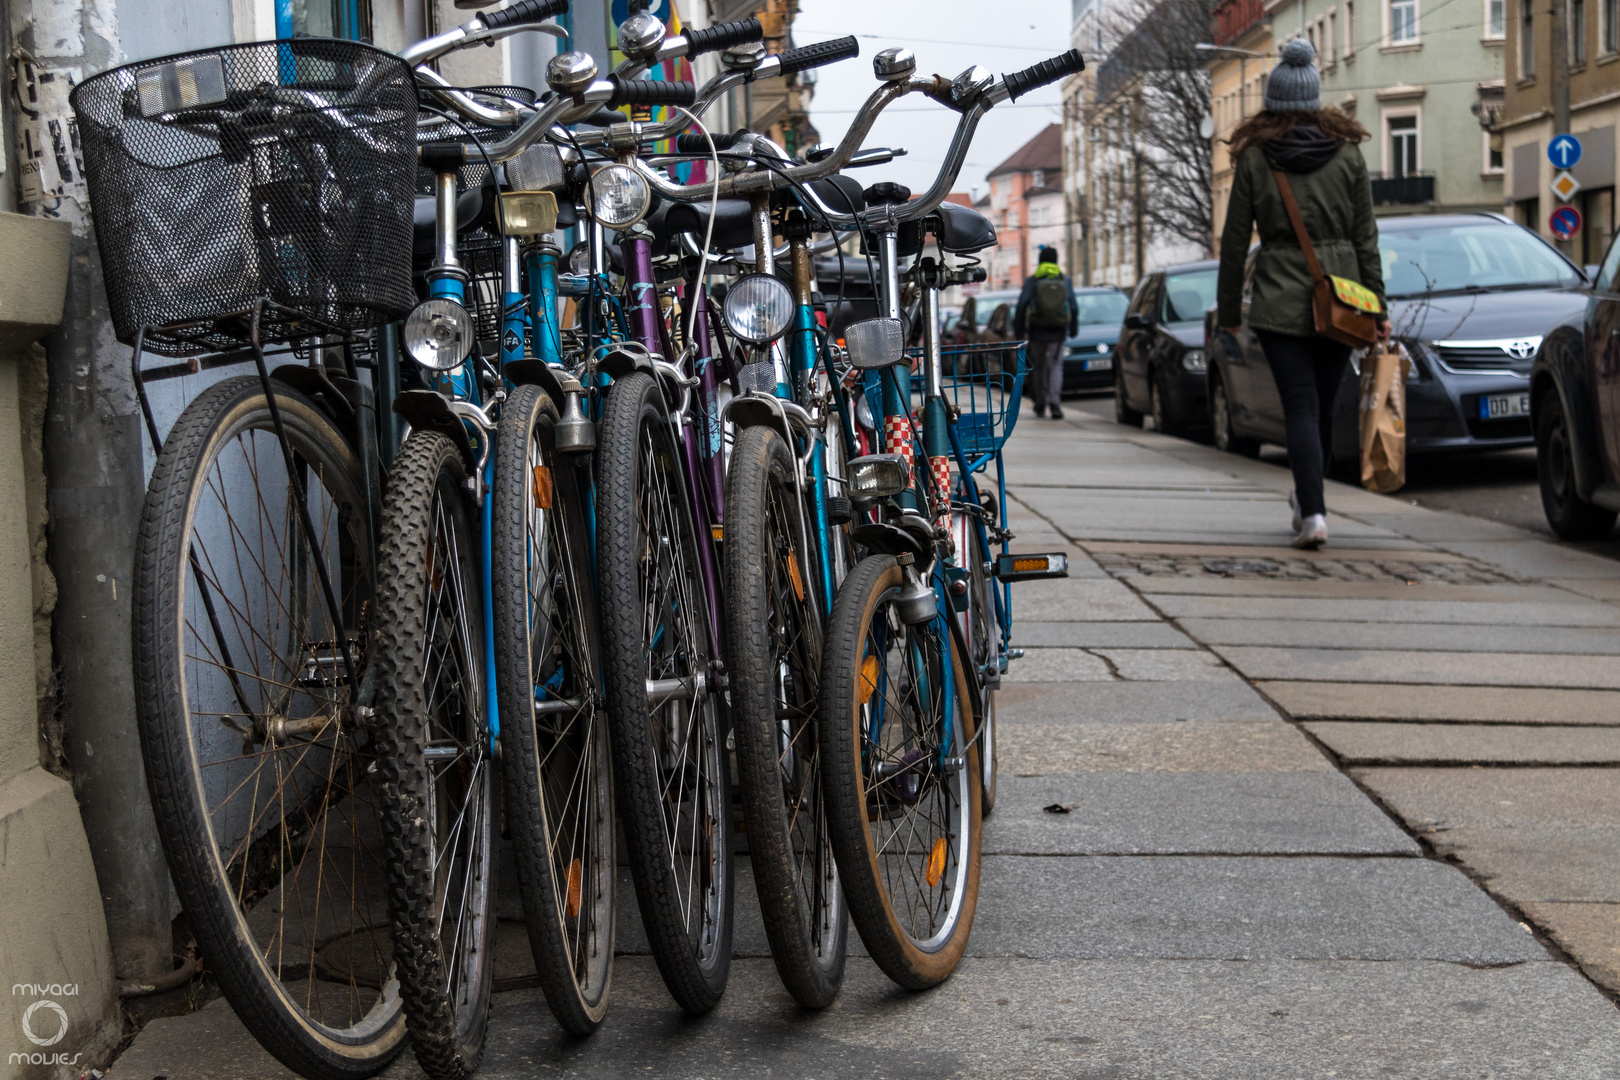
(947, 36)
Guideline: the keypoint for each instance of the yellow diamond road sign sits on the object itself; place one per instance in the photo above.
(1565, 186)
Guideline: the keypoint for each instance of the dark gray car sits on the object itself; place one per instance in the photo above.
(1470, 295)
(1159, 363)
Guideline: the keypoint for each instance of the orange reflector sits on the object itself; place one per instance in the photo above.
(542, 487)
(575, 875)
(936, 863)
(1030, 565)
(869, 678)
(718, 532)
(793, 574)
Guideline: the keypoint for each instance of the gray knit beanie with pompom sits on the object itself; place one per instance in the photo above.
(1294, 85)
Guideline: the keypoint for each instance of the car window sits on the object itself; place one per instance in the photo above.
(1188, 296)
(1142, 301)
(1480, 255)
(1611, 264)
(1106, 307)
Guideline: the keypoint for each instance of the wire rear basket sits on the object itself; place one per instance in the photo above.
(984, 383)
(278, 171)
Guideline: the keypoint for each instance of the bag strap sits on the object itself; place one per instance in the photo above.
(1287, 193)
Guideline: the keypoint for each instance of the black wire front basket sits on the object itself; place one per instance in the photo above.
(271, 181)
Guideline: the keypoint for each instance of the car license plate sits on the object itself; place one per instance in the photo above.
(1101, 363)
(1502, 406)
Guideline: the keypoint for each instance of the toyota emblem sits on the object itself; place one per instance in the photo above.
(1522, 349)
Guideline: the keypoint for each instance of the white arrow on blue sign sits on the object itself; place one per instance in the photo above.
(1564, 151)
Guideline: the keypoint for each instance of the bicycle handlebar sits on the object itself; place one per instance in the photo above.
(698, 144)
(723, 36)
(524, 11)
(650, 92)
(1020, 83)
(819, 54)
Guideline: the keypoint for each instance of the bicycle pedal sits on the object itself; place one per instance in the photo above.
(1010, 567)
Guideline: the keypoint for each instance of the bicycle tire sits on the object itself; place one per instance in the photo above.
(433, 761)
(557, 767)
(773, 655)
(860, 802)
(982, 634)
(654, 620)
(241, 871)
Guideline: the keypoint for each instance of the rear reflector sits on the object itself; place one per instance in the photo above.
(1031, 567)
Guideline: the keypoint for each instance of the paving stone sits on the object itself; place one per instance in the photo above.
(1190, 813)
(1079, 600)
(1057, 666)
(1174, 907)
(1314, 588)
(1537, 558)
(1272, 552)
(1424, 637)
(1595, 588)
(1490, 704)
(1168, 665)
(1035, 748)
(1439, 526)
(1127, 635)
(1565, 611)
(1123, 701)
(1588, 932)
(1462, 669)
(1365, 743)
(1215, 515)
(1532, 834)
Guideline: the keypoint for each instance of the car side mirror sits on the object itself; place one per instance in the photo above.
(1137, 321)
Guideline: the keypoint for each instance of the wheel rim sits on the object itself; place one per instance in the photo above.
(1560, 463)
(918, 815)
(571, 747)
(1156, 404)
(1219, 419)
(279, 763)
(682, 732)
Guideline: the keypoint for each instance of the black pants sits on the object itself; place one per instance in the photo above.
(1307, 371)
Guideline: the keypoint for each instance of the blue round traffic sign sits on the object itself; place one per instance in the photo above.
(1564, 151)
(1565, 222)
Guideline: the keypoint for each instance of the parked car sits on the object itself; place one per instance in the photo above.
(1575, 410)
(1159, 364)
(1088, 357)
(1471, 296)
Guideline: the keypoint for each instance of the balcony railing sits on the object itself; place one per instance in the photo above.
(1232, 19)
(1411, 190)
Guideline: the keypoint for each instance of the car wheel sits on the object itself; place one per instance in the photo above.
(1220, 420)
(1123, 413)
(1571, 517)
(1164, 418)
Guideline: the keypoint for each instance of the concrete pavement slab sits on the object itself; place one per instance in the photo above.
(1440, 526)
(1190, 813)
(1240, 909)
(1129, 701)
(1058, 666)
(1326, 590)
(1543, 834)
(1537, 558)
(1565, 611)
(1595, 588)
(1487, 704)
(1364, 743)
(1588, 932)
(1272, 552)
(1214, 515)
(1424, 637)
(1081, 600)
(1035, 748)
(1080, 635)
(1462, 669)
(1167, 665)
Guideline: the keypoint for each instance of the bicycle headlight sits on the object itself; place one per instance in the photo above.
(579, 259)
(619, 196)
(878, 476)
(758, 308)
(1193, 360)
(439, 334)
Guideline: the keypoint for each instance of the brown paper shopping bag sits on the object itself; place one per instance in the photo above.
(1383, 418)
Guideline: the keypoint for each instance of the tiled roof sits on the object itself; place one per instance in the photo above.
(1044, 151)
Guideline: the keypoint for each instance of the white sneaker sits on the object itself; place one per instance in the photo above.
(1313, 533)
(1293, 504)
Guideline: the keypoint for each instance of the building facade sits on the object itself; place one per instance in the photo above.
(1242, 61)
(1025, 203)
(1527, 118)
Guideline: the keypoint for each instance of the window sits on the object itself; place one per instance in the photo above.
(1350, 28)
(1597, 225)
(1609, 16)
(1495, 18)
(1038, 178)
(1403, 146)
(1527, 40)
(323, 18)
(1493, 151)
(1577, 31)
(1333, 36)
(1403, 21)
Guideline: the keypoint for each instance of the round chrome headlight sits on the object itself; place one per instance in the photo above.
(439, 334)
(619, 196)
(758, 308)
(579, 259)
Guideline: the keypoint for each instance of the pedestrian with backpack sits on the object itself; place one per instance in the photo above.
(1047, 315)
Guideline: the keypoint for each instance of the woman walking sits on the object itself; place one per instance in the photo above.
(1316, 151)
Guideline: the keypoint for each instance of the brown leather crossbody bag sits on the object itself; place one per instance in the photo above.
(1345, 311)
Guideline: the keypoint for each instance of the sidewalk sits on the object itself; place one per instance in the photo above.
(1351, 813)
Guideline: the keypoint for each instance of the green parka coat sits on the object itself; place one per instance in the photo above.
(1336, 202)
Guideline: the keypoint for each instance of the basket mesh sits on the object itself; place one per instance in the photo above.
(279, 171)
(984, 383)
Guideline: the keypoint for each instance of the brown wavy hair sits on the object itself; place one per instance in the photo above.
(1267, 125)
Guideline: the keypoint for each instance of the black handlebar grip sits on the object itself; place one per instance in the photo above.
(1020, 83)
(651, 92)
(695, 143)
(819, 54)
(524, 11)
(723, 36)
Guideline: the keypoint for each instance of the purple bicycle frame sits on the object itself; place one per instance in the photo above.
(704, 459)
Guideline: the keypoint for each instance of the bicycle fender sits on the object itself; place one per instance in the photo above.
(427, 410)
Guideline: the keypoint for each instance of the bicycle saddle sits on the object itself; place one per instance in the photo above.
(474, 207)
(733, 224)
(841, 193)
(961, 230)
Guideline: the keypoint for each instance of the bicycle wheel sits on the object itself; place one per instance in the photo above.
(774, 644)
(555, 749)
(255, 761)
(902, 800)
(669, 748)
(982, 634)
(433, 760)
